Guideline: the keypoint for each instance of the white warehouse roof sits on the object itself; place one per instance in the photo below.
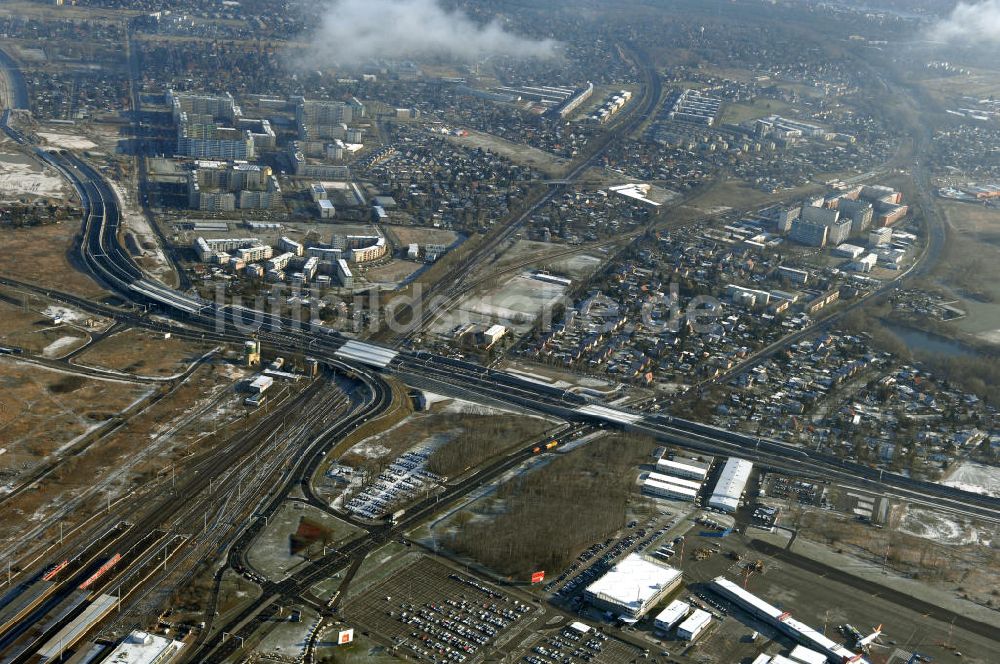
(729, 488)
(679, 481)
(806, 656)
(695, 622)
(681, 469)
(633, 582)
(669, 490)
(144, 648)
(671, 615)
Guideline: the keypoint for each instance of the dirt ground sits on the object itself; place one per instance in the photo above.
(43, 410)
(405, 235)
(36, 333)
(40, 256)
(393, 272)
(524, 155)
(58, 406)
(143, 353)
(970, 266)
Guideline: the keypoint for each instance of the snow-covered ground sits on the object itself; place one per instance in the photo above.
(59, 345)
(67, 141)
(941, 528)
(19, 176)
(65, 314)
(975, 477)
(137, 222)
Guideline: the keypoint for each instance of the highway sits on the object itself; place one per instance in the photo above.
(238, 520)
(103, 255)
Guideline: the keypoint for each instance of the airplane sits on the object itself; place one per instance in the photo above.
(871, 638)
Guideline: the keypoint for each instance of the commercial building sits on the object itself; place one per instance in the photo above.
(144, 648)
(865, 263)
(632, 587)
(492, 334)
(260, 384)
(684, 468)
(804, 655)
(729, 488)
(798, 631)
(567, 107)
(671, 615)
(694, 625)
(669, 489)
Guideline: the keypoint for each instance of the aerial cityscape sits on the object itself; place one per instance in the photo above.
(491, 331)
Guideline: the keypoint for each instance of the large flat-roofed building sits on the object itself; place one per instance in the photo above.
(144, 648)
(680, 481)
(662, 489)
(694, 625)
(804, 655)
(670, 616)
(729, 488)
(795, 629)
(632, 587)
(684, 468)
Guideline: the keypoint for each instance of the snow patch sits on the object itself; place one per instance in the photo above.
(67, 141)
(976, 478)
(54, 348)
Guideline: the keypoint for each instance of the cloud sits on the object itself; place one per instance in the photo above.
(971, 23)
(354, 32)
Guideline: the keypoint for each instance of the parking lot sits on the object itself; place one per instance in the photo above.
(571, 645)
(435, 614)
(600, 557)
(403, 480)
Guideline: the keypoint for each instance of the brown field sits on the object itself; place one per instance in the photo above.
(404, 235)
(39, 256)
(393, 272)
(155, 437)
(524, 155)
(34, 332)
(970, 266)
(143, 353)
(42, 409)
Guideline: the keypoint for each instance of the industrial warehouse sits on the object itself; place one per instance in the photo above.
(806, 636)
(632, 587)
